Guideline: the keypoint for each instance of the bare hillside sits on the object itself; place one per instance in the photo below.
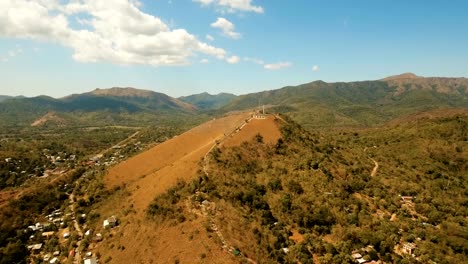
(155, 171)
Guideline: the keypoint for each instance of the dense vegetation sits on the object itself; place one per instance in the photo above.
(317, 186)
(206, 101)
(115, 106)
(320, 104)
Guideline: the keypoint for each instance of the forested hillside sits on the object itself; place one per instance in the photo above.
(321, 104)
(319, 197)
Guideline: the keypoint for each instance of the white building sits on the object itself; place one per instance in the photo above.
(90, 261)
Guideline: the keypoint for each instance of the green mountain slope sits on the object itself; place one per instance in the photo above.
(319, 196)
(105, 106)
(4, 97)
(208, 101)
(319, 104)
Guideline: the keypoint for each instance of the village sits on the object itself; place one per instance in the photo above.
(64, 235)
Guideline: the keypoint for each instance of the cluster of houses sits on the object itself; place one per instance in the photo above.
(101, 160)
(359, 258)
(45, 231)
(56, 164)
(41, 233)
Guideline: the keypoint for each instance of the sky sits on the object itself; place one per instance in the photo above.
(183, 47)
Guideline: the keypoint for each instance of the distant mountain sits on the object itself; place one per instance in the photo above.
(320, 104)
(4, 97)
(208, 101)
(114, 105)
(403, 76)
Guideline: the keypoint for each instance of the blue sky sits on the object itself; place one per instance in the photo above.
(60, 47)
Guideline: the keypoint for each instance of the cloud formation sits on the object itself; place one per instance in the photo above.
(315, 68)
(232, 5)
(254, 60)
(227, 27)
(233, 60)
(277, 66)
(114, 31)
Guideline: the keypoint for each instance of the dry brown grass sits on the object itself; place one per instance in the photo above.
(153, 172)
(265, 127)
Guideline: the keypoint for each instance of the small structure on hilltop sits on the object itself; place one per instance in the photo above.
(260, 114)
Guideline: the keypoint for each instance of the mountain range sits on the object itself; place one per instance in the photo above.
(319, 104)
(315, 104)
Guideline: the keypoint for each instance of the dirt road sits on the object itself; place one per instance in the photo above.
(376, 167)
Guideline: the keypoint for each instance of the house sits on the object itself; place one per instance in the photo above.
(66, 235)
(36, 248)
(407, 199)
(110, 222)
(98, 237)
(54, 261)
(361, 260)
(408, 248)
(90, 261)
(356, 255)
(56, 253)
(48, 234)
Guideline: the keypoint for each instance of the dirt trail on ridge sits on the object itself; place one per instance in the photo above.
(154, 171)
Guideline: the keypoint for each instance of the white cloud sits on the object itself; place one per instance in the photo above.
(277, 66)
(209, 37)
(204, 61)
(233, 5)
(254, 60)
(233, 60)
(227, 27)
(11, 54)
(117, 31)
(315, 68)
(15, 52)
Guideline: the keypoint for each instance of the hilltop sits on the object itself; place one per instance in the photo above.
(407, 75)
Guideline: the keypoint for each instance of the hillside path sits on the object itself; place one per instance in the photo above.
(376, 167)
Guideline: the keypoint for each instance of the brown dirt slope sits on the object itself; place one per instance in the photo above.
(265, 127)
(153, 172)
(50, 117)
